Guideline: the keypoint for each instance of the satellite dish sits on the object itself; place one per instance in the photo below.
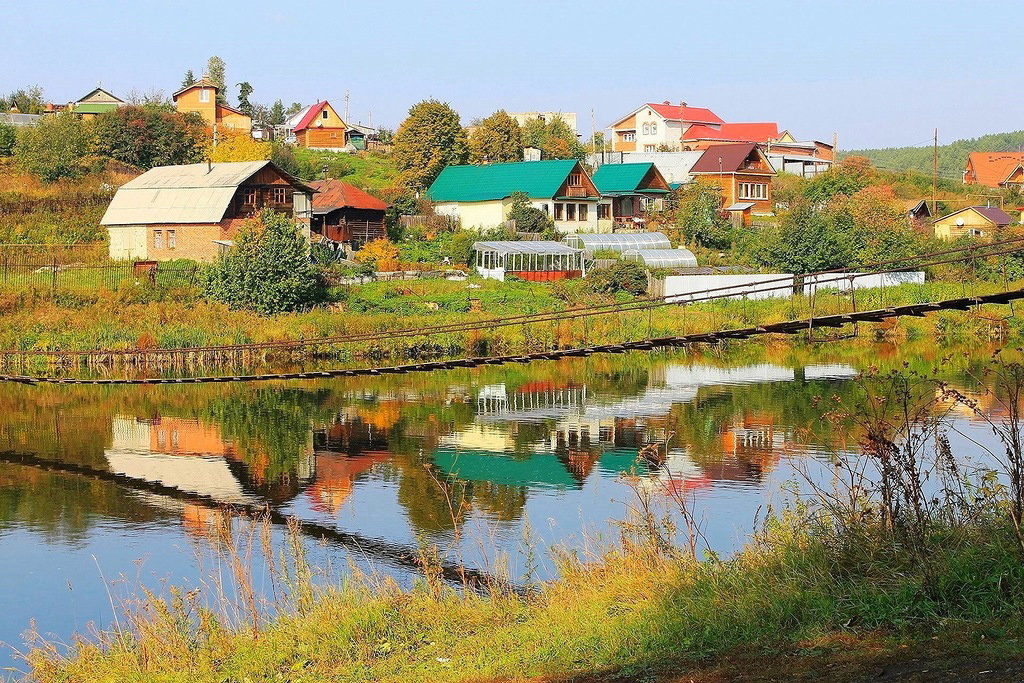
(960, 222)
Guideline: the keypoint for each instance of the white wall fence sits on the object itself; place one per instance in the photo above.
(772, 285)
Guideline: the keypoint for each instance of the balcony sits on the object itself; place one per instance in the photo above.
(576, 192)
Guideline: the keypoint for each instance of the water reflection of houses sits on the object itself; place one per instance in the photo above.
(344, 450)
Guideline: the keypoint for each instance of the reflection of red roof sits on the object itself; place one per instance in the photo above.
(310, 115)
(678, 112)
(734, 132)
(334, 194)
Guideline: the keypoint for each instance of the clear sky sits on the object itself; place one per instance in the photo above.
(878, 73)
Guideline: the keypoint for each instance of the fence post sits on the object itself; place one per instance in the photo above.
(53, 288)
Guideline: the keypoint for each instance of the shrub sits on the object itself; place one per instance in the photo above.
(7, 138)
(55, 147)
(624, 276)
(528, 218)
(381, 253)
(148, 136)
(269, 269)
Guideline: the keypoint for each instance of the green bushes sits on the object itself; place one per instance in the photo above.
(269, 271)
(55, 147)
(624, 276)
(7, 139)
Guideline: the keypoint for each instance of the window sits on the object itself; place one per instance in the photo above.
(649, 148)
(629, 137)
(647, 129)
(583, 212)
(753, 191)
(172, 239)
(559, 215)
(575, 180)
(603, 212)
(204, 95)
(570, 212)
(251, 195)
(544, 208)
(654, 128)
(280, 195)
(158, 239)
(323, 114)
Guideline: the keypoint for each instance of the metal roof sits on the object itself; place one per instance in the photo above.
(20, 119)
(538, 179)
(620, 178)
(619, 241)
(662, 258)
(194, 193)
(95, 107)
(740, 206)
(525, 247)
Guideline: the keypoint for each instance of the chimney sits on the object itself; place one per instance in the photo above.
(666, 102)
(682, 103)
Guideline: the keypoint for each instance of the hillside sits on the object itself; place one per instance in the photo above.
(952, 157)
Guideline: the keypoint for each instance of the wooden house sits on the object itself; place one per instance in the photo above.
(195, 211)
(97, 102)
(995, 169)
(322, 128)
(973, 221)
(628, 191)
(480, 196)
(344, 214)
(201, 98)
(743, 175)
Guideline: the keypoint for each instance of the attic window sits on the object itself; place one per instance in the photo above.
(204, 95)
(323, 114)
(575, 180)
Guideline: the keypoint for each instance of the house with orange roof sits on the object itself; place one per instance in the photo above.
(201, 98)
(995, 169)
(659, 127)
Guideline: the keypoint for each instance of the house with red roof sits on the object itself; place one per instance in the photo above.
(344, 214)
(995, 169)
(659, 127)
(700, 136)
(321, 127)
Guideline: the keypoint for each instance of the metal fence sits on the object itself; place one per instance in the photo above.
(82, 269)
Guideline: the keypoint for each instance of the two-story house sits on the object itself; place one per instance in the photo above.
(194, 211)
(658, 127)
(201, 98)
(480, 196)
(743, 175)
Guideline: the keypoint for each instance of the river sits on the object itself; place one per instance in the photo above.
(104, 489)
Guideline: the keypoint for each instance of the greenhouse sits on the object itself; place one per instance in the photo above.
(662, 258)
(528, 260)
(618, 241)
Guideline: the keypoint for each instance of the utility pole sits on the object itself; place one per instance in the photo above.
(835, 146)
(935, 168)
(593, 135)
(346, 106)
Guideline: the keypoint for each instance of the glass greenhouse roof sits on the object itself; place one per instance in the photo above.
(662, 258)
(618, 241)
(525, 247)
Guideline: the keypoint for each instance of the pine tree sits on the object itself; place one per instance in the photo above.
(244, 106)
(215, 69)
(277, 113)
(190, 79)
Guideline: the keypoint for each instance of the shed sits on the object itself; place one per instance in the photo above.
(537, 261)
(662, 258)
(345, 214)
(619, 241)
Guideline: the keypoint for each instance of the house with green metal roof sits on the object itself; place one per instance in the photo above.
(628, 191)
(96, 102)
(480, 196)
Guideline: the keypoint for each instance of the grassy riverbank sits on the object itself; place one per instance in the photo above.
(644, 612)
(139, 316)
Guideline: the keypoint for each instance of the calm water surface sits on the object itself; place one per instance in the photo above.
(536, 453)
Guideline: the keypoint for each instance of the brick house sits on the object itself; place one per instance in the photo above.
(194, 211)
(743, 175)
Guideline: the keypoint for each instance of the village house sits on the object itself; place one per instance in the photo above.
(700, 136)
(195, 211)
(658, 127)
(480, 196)
(628, 191)
(201, 98)
(975, 221)
(321, 127)
(97, 101)
(995, 169)
(743, 175)
(346, 215)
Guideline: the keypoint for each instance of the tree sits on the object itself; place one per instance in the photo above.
(293, 108)
(268, 271)
(149, 136)
(428, 140)
(277, 115)
(28, 100)
(55, 147)
(554, 138)
(238, 147)
(699, 213)
(497, 139)
(380, 253)
(244, 106)
(215, 68)
(528, 218)
(190, 79)
(7, 138)
(809, 241)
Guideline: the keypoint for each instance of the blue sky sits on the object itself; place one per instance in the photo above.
(878, 73)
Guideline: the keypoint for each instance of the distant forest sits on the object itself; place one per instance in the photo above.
(952, 157)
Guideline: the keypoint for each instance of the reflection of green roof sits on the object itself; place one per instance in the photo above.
(538, 179)
(95, 107)
(621, 178)
(539, 470)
